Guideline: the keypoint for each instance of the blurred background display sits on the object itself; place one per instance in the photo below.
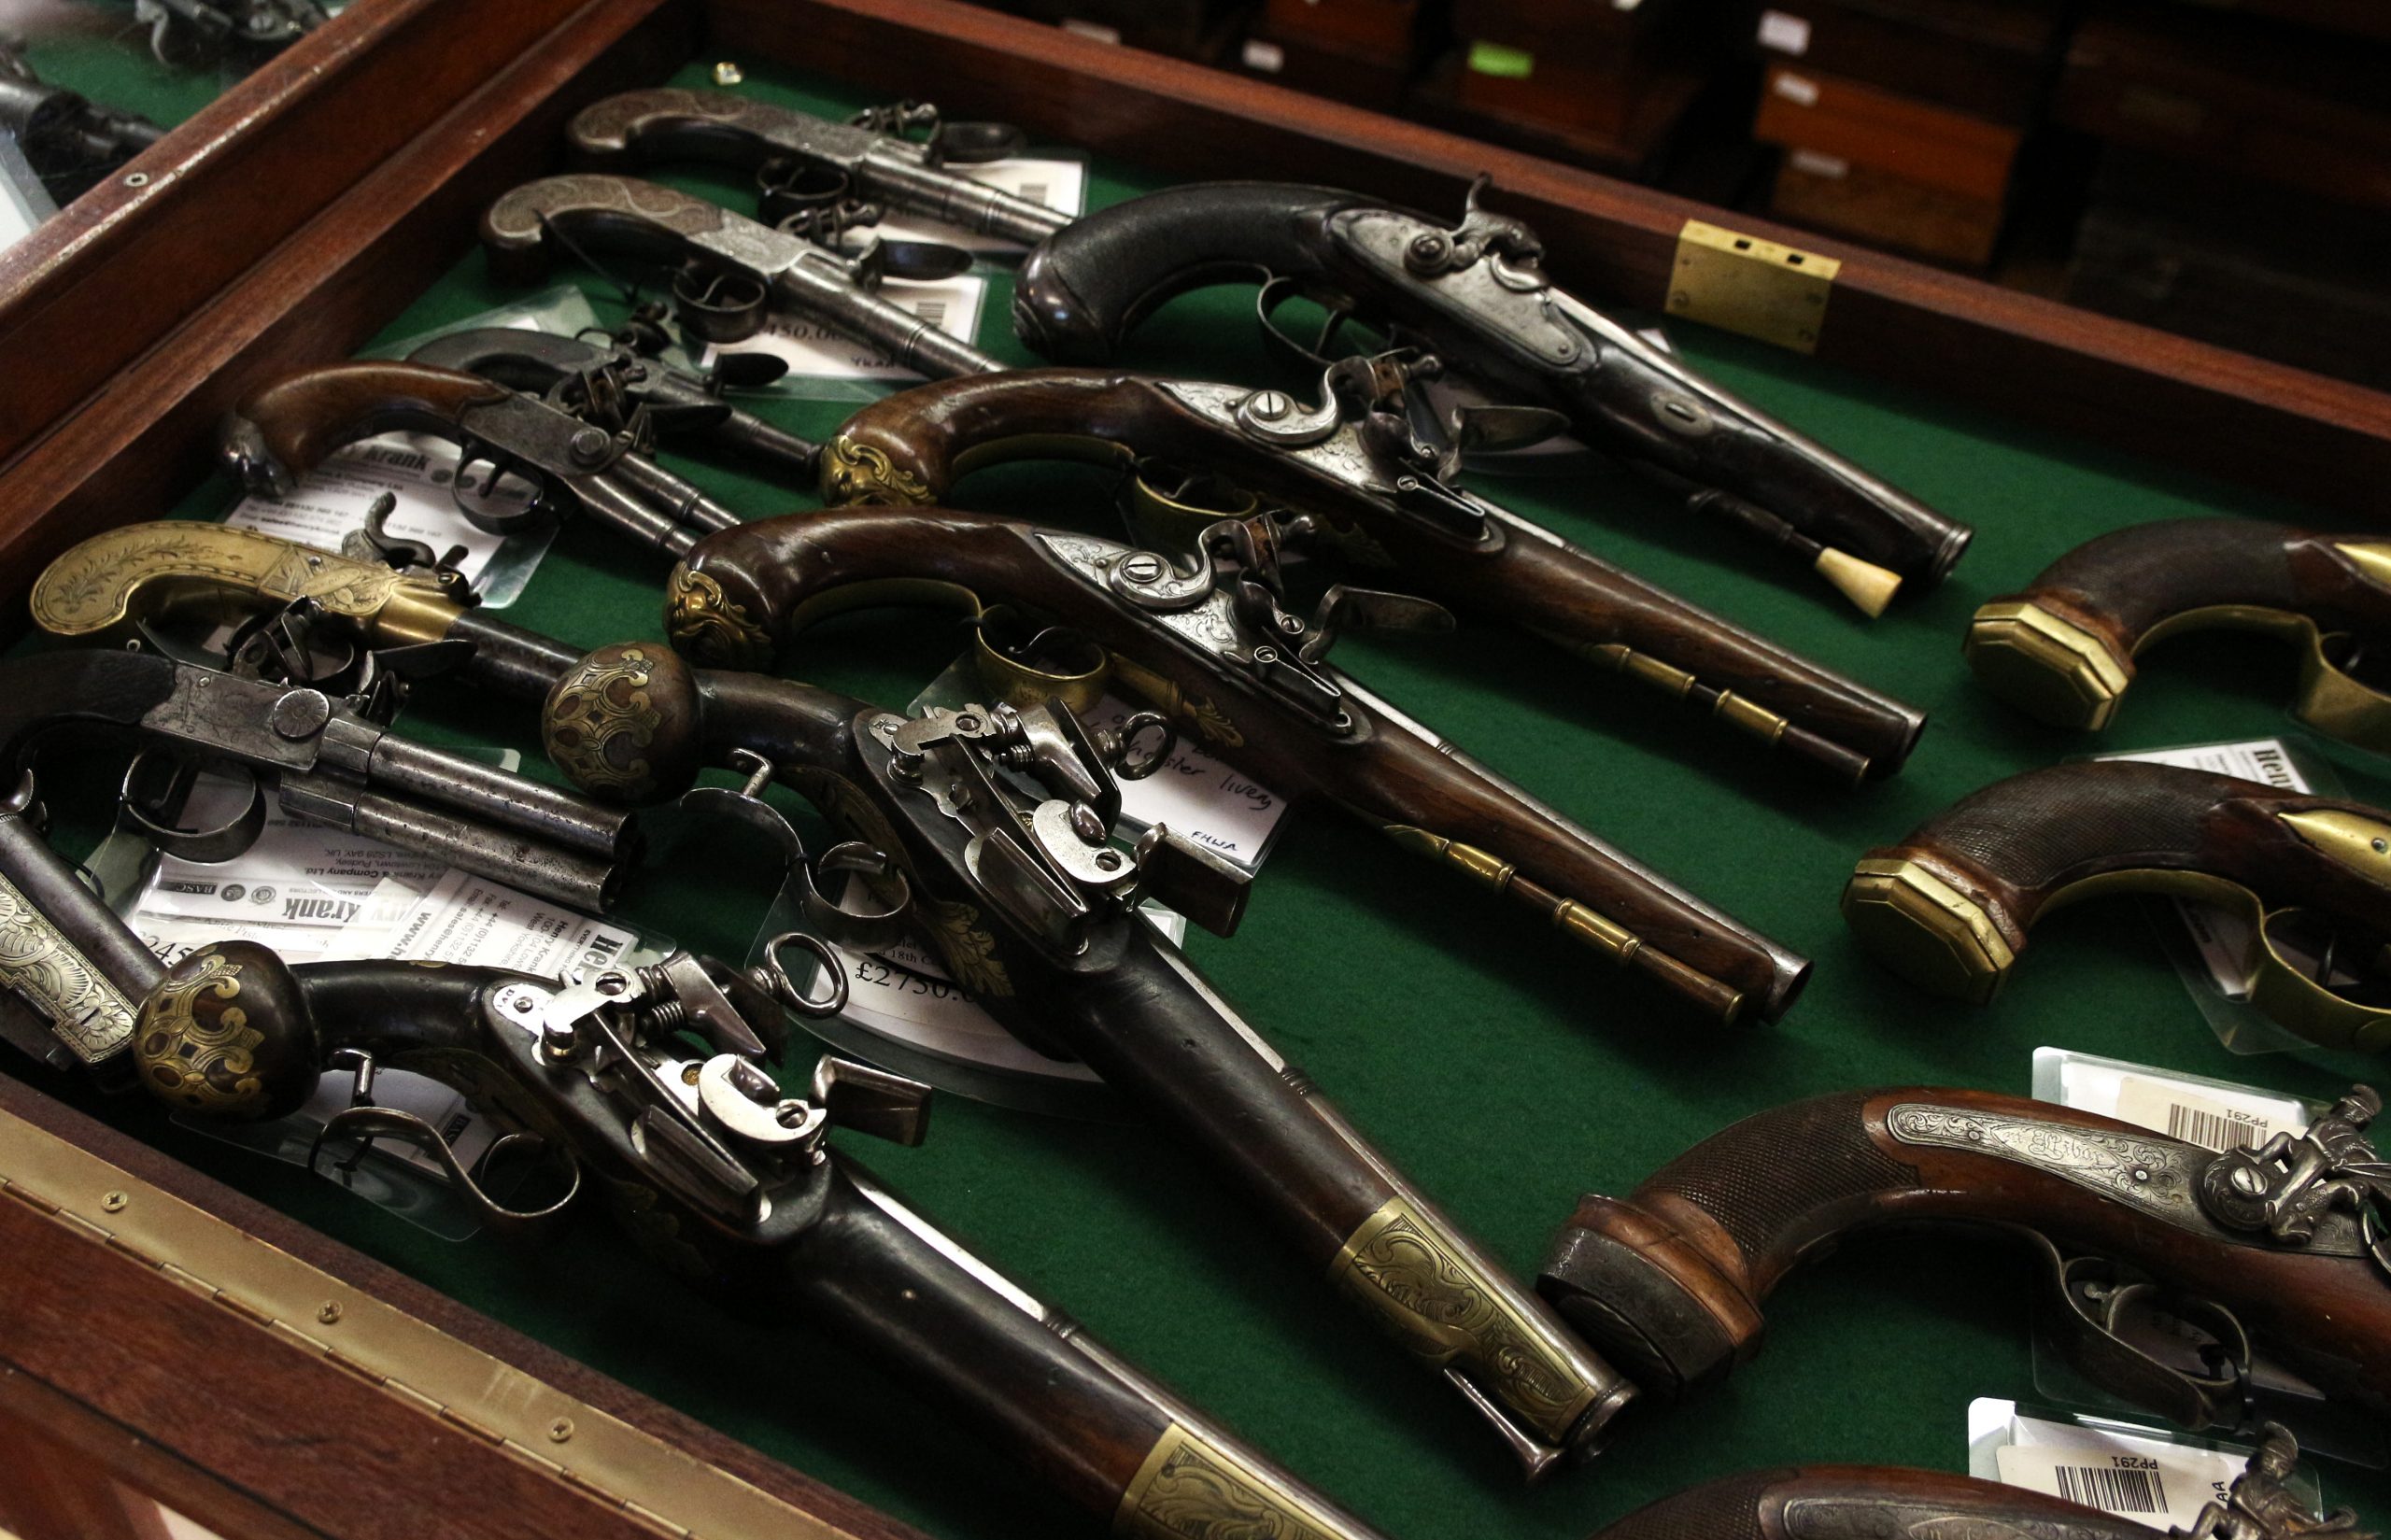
(2222, 171)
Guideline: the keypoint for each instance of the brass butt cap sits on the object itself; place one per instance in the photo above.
(1926, 930)
(2053, 670)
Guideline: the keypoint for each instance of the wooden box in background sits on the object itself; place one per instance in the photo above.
(1365, 52)
(1989, 57)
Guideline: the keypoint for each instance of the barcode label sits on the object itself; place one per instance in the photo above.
(1033, 192)
(2211, 1117)
(2116, 1490)
(932, 311)
(2215, 1130)
(1783, 32)
(2149, 1478)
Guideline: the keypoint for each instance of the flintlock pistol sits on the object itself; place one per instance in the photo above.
(1871, 1501)
(2279, 1257)
(619, 387)
(1474, 296)
(1215, 650)
(1385, 503)
(1029, 908)
(883, 158)
(1949, 906)
(655, 1082)
(730, 272)
(2065, 648)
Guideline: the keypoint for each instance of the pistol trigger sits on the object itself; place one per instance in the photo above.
(744, 372)
(1493, 428)
(148, 806)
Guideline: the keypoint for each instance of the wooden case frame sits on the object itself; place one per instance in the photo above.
(307, 258)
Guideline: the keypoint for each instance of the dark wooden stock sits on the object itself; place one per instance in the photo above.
(307, 416)
(777, 576)
(1854, 1501)
(937, 433)
(2021, 843)
(1671, 1279)
(2139, 584)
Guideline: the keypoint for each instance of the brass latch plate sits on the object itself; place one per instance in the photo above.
(1742, 283)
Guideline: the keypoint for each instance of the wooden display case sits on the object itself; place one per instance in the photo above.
(295, 217)
(243, 253)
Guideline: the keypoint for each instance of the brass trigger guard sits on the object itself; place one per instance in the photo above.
(378, 1123)
(1024, 684)
(2097, 1344)
(2332, 700)
(1176, 521)
(144, 808)
(2279, 990)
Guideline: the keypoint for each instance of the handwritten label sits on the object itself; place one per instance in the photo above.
(1214, 804)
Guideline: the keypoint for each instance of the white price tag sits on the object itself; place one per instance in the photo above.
(1799, 89)
(1783, 32)
(470, 919)
(816, 352)
(416, 468)
(2223, 938)
(1263, 55)
(2213, 1116)
(2162, 1485)
(1219, 807)
(1095, 32)
(1833, 167)
(1056, 184)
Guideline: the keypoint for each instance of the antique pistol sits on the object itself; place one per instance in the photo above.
(620, 388)
(1474, 296)
(1215, 650)
(2063, 650)
(189, 32)
(1870, 1502)
(2210, 1288)
(71, 142)
(730, 273)
(894, 158)
(1384, 499)
(1949, 908)
(1031, 909)
(579, 467)
(654, 1082)
(327, 761)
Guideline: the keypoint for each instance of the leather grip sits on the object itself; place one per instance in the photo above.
(1087, 286)
(1670, 1281)
(1951, 905)
(1849, 1501)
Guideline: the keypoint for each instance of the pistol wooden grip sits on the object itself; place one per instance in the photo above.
(1951, 905)
(304, 418)
(2064, 648)
(912, 447)
(1787, 1504)
(1088, 286)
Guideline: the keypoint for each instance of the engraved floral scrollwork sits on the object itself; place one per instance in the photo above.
(193, 1048)
(864, 474)
(2153, 1174)
(969, 951)
(1878, 1519)
(602, 720)
(1189, 1489)
(705, 623)
(1436, 1301)
(84, 1010)
(1210, 723)
(87, 589)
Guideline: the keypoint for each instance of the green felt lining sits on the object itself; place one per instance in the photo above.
(1502, 1070)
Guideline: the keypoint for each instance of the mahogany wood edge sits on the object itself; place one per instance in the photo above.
(457, 1320)
(86, 292)
(68, 1427)
(146, 439)
(2148, 392)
